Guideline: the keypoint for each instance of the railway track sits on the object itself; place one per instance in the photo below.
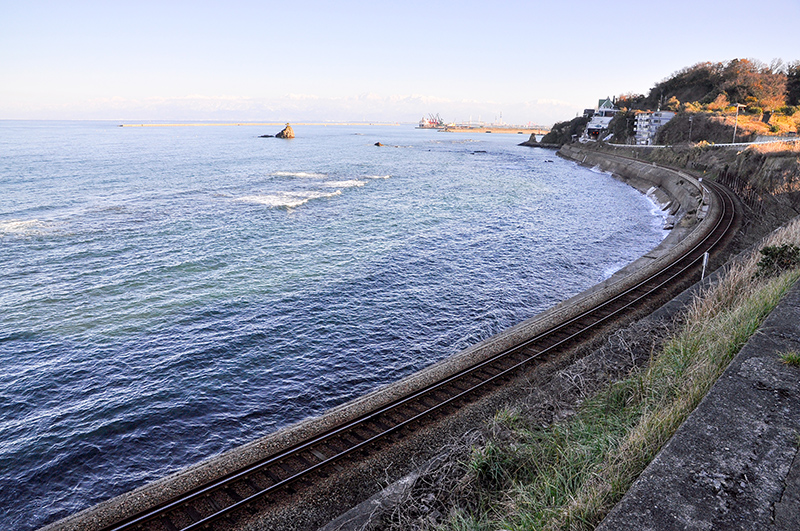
(223, 501)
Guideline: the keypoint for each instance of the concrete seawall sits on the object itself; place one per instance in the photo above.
(680, 194)
(681, 191)
(686, 200)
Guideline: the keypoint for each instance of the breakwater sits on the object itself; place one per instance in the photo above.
(495, 129)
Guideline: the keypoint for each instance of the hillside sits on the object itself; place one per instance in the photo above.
(713, 99)
(719, 127)
(739, 81)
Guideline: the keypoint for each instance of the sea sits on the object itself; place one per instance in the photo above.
(171, 292)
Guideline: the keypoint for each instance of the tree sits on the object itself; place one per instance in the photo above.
(741, 80)
(631, 101)
(695, 83)
(562, 132)
(719, 103)
(621, 125)
(673, 104)
(793, 83)
(753, 83)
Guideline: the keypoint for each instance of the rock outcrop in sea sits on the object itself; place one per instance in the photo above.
(287, 132)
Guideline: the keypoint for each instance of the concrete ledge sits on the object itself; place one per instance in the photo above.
(734, 463)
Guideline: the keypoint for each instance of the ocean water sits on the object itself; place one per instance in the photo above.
(169, 293)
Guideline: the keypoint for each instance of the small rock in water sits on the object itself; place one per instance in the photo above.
(287, 132)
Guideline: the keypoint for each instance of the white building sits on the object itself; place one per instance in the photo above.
(600, 119)
(648, 123)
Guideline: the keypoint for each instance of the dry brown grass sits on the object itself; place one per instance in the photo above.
(777, 148)
(719, 320)
(747, 124)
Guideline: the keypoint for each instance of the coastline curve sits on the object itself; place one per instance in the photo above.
(693, 206)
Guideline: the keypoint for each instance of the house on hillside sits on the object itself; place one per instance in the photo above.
(600, 119)
(647, 125)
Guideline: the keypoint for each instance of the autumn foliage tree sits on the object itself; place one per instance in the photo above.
(742, 81)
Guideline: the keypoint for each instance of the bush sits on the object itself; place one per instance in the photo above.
(561, 133)
(621, 126)
(776, 259)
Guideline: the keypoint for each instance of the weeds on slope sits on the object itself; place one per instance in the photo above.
(570, 474)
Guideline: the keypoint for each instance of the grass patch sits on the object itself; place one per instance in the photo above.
(791, 358)
(569, 475)
(777, 258)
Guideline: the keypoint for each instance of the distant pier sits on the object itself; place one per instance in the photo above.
(496, 129)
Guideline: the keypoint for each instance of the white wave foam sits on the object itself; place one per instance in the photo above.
(376, 177)
(286, 199)
(344, 184)
(460, 141)
(597, 169)
(660, 212)
(24, 227)
(302, 174)
(609, 270)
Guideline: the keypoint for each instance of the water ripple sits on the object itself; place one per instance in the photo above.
(171, 293)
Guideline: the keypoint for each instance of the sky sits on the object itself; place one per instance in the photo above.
(522, 62)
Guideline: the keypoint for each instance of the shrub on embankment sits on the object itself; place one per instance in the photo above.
(726, 126)
(710, 128)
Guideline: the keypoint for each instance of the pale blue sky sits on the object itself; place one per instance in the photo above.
(350, 60)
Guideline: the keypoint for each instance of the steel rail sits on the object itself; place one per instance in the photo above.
(717, 232)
